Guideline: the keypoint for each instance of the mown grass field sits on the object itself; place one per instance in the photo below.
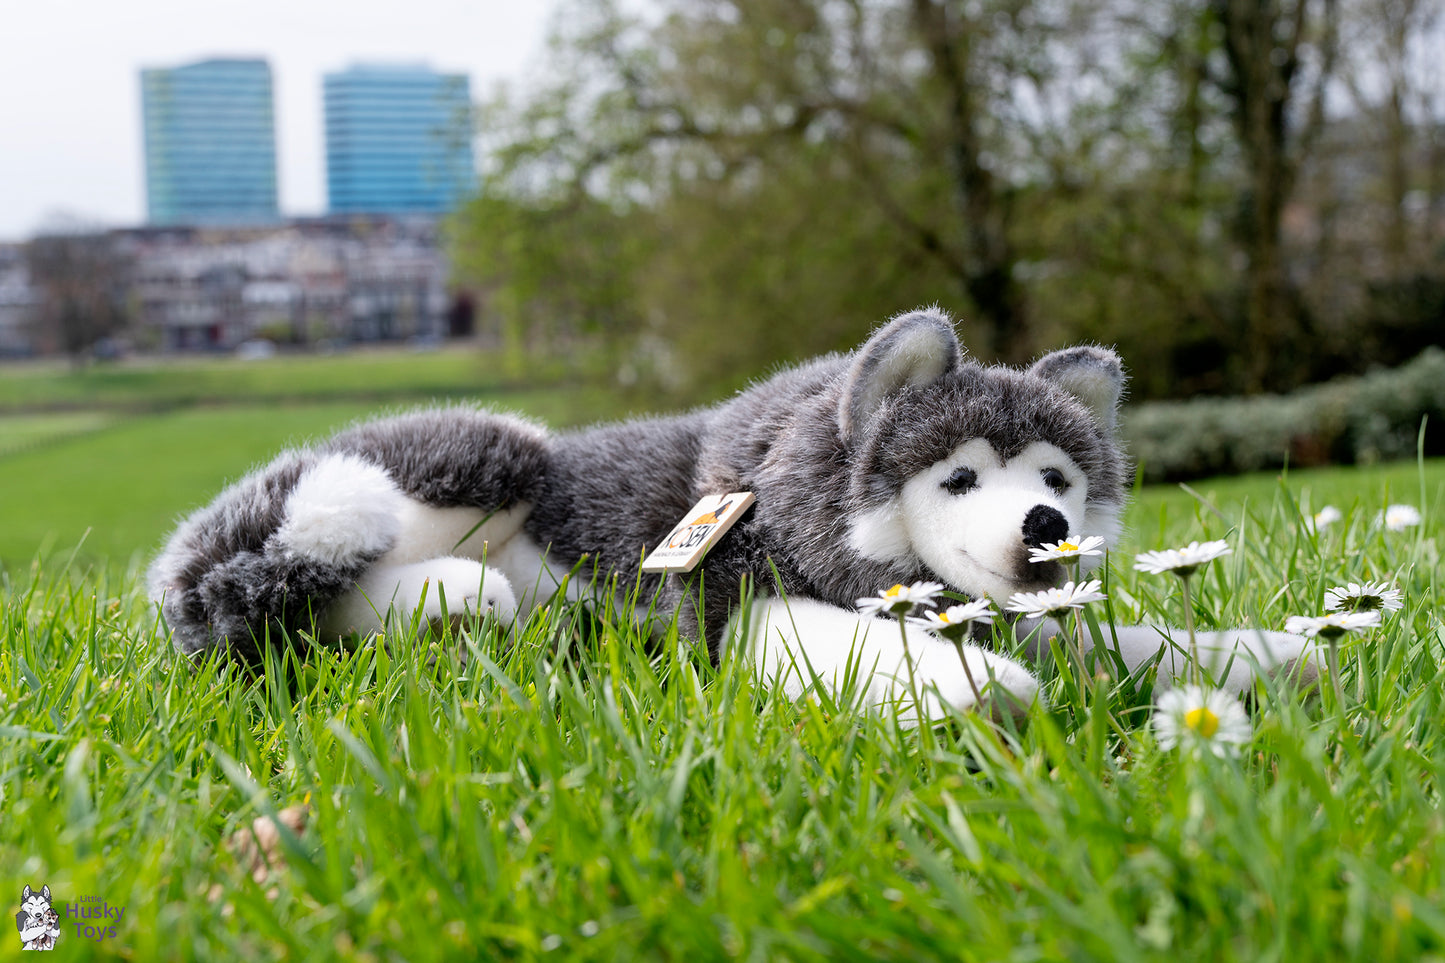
(560, 795)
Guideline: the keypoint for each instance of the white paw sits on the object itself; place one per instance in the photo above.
(1235, 658)
(1006, 687)
(800, 643)
(455, 587)
(342, 509)
(437, 590)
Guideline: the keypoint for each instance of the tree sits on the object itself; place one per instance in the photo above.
(918, 113)
(81, 277)
(1278, 61)
(768, 178)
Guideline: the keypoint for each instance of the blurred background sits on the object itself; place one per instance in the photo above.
(227, 227)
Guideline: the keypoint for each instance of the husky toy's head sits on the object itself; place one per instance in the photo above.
(965, 468)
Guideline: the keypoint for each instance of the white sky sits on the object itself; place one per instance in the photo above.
(70, 135)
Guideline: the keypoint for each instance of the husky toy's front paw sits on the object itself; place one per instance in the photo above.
(1232, 659)
(438, 589)
(799, 643)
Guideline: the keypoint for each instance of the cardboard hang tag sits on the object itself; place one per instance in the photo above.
(699, 530)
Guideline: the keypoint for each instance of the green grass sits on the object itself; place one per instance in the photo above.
(116, 484)
(564, 796)
(148, 384)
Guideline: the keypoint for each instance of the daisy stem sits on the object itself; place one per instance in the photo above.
(1196, 671)
(968, 674)
(908, 660)
(1332, 656)
(1086, 680)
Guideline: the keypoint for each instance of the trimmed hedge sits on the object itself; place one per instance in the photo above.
(1374, 417)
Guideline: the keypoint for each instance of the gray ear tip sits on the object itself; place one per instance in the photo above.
(1091, 373)
(1093, 357)
(930, 315)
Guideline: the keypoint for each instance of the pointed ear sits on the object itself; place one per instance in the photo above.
(45, 892)
(913, 349)
(1092, 374)
(25, 893)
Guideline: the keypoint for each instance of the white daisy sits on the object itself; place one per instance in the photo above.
(1195, 717)
(1181, 561)
(900, 599)
(1070, 549)
(1056, 601)
(1333, 625)
(1323, 519)
(1356, 597)
(954, 622)
(1397, 518)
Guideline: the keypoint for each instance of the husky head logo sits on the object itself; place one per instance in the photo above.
(964, 468)
(37, 921)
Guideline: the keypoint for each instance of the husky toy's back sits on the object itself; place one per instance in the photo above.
(899, 462)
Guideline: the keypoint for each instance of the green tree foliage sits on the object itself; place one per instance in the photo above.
(713, 186)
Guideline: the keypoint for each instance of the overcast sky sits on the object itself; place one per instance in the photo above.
(70, 134)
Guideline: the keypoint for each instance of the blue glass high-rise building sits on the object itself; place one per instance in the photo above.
(398, 140)
(210, 143)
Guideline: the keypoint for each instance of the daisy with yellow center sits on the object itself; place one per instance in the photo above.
(1056, 602)
(954, 622)
(1366, 597)
(1331, 627)
(900, 599)
(1322, 519)
(1195, 718)
(1182, 563)
(1397, 518)
(1068, 551)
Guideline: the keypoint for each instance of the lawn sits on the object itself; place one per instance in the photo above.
(381, 374)
(561, 795)
(113, 484)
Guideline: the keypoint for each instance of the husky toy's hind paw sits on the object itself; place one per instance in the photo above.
(442, 589)
(438, 590)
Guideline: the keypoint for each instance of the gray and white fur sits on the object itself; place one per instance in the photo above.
(898, 462)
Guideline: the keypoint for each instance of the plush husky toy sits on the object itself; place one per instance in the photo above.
(899, 462)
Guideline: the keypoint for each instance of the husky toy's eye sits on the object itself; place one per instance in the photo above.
(962, 480)
(1055, 479)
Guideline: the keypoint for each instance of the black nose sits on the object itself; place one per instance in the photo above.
(1044, 524)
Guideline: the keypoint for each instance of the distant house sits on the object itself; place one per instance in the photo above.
(337, 280)
(18, 303)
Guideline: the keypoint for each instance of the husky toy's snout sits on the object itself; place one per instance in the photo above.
(1043, 524)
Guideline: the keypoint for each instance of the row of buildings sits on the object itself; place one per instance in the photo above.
(306, 282)
(398, 142)
(217, 267)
